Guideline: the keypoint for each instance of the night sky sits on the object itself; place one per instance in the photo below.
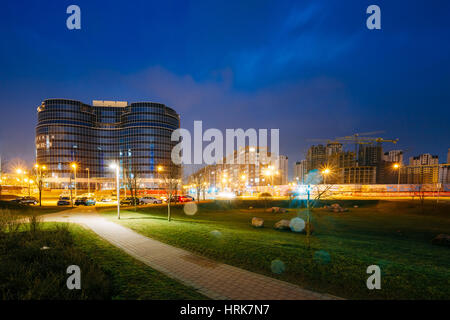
(310, 68)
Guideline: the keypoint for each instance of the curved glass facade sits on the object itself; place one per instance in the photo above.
(138, 135)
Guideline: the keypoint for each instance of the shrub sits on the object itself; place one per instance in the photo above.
(30, 271)
(13, 206)
(34, 223)
(9, 222)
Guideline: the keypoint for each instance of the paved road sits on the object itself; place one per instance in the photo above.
(212, 279)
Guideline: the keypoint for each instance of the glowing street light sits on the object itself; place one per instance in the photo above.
(21, 173)
(159, 169)
(74, 167)
(116, 167)
(89, 184)
(29, 181)
(269, 172)
(325, 172)
(397, 166)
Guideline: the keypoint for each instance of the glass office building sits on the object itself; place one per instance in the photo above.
(138, 135)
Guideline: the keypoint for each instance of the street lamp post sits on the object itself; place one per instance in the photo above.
(211, 181)
(20, 172)
(244, 180)
(89, 183)
(29, 181)
(159, 169)
(397, 167)
(308, 217)
(116, 167)
(325, 172)
(74, 167)
(270, 173)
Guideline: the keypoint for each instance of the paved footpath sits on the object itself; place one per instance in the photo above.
(212, 279)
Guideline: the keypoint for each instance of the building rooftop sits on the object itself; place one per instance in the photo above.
(105, 103)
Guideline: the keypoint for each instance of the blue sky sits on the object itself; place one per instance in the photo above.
(310, 68)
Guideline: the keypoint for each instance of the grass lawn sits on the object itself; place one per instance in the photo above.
(28, 272)
(130, 279)
(394, 235)
(30, 209)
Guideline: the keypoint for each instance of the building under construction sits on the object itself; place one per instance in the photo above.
(368, 164)
(365, 164)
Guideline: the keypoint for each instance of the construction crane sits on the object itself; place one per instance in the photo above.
(359, 139)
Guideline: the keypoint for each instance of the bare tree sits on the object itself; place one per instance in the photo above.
(321, 192)
(40, 174)
(199, 182)
(131, 176)
(204, 190)
(171, 180)
(421, 194)
(318, 191)
(438, 189)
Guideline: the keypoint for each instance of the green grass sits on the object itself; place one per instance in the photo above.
(28, 272)
(37, 210)
(394, 235)
(21, 209)
(130, 278)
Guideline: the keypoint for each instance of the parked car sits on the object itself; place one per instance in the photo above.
(25, 200)
(186, 199)
(265, 195)
(85, 201)
(148, 199)
(174, 199)
(63, 201)
(130, 201)
(180, 199)
(107, 199)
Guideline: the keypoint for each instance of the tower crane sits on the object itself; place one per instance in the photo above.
(359, 139)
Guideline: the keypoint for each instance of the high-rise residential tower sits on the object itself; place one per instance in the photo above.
(137, 135)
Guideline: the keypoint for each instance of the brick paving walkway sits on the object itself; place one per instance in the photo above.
(212, 279)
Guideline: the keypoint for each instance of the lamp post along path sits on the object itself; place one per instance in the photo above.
(116, 167)
(118, 192)
(397, 167)
(89, 184)
(74, 167)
